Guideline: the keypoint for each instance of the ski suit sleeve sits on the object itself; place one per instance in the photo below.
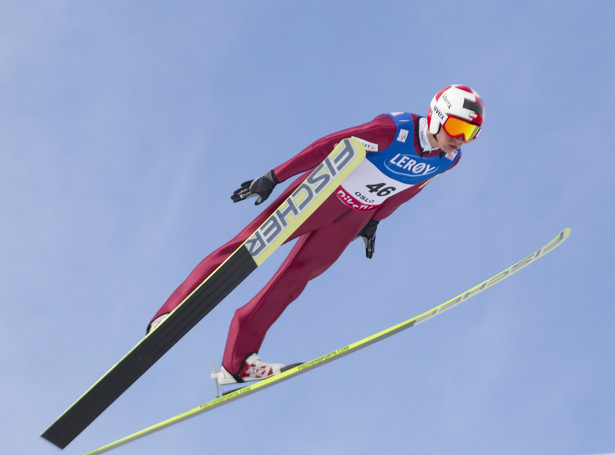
(380, 131)
(391, 204)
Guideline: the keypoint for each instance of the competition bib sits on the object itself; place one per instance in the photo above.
(367, 188)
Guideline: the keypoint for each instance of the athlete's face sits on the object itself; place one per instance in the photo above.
(447, 143)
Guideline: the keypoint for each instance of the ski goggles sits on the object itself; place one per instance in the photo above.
(456, 127)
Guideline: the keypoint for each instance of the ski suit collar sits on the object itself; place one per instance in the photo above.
(423, 141)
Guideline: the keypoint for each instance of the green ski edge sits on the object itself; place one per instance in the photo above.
(302, 368)
(274, 231)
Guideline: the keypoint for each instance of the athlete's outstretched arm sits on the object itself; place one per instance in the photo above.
(380, 132)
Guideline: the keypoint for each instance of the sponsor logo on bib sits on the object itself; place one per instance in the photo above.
(406, 164)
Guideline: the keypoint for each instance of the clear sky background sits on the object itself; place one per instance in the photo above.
(124, 128)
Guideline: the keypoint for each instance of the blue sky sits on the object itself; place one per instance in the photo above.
(125, 126)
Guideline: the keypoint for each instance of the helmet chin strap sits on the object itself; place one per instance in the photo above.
(426, 136)
(435, 136)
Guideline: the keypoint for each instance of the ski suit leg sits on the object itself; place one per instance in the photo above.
(313, 253)
(216, 258)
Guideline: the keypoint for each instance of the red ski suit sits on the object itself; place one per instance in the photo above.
(321, 239)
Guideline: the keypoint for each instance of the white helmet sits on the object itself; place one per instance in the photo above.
(457, 108)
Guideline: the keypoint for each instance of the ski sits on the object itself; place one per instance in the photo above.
(302, 368)
(304, 200)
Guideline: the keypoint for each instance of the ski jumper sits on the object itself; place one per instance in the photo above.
(399, 163)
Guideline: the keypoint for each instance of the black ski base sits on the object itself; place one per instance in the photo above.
(149, 350)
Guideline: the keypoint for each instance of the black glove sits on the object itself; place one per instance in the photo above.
(261, 187)
(369, 236)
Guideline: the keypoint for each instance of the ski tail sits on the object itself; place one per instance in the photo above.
(322, 360)
(274, 231)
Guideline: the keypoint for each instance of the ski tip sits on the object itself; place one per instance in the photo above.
(564, 234)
